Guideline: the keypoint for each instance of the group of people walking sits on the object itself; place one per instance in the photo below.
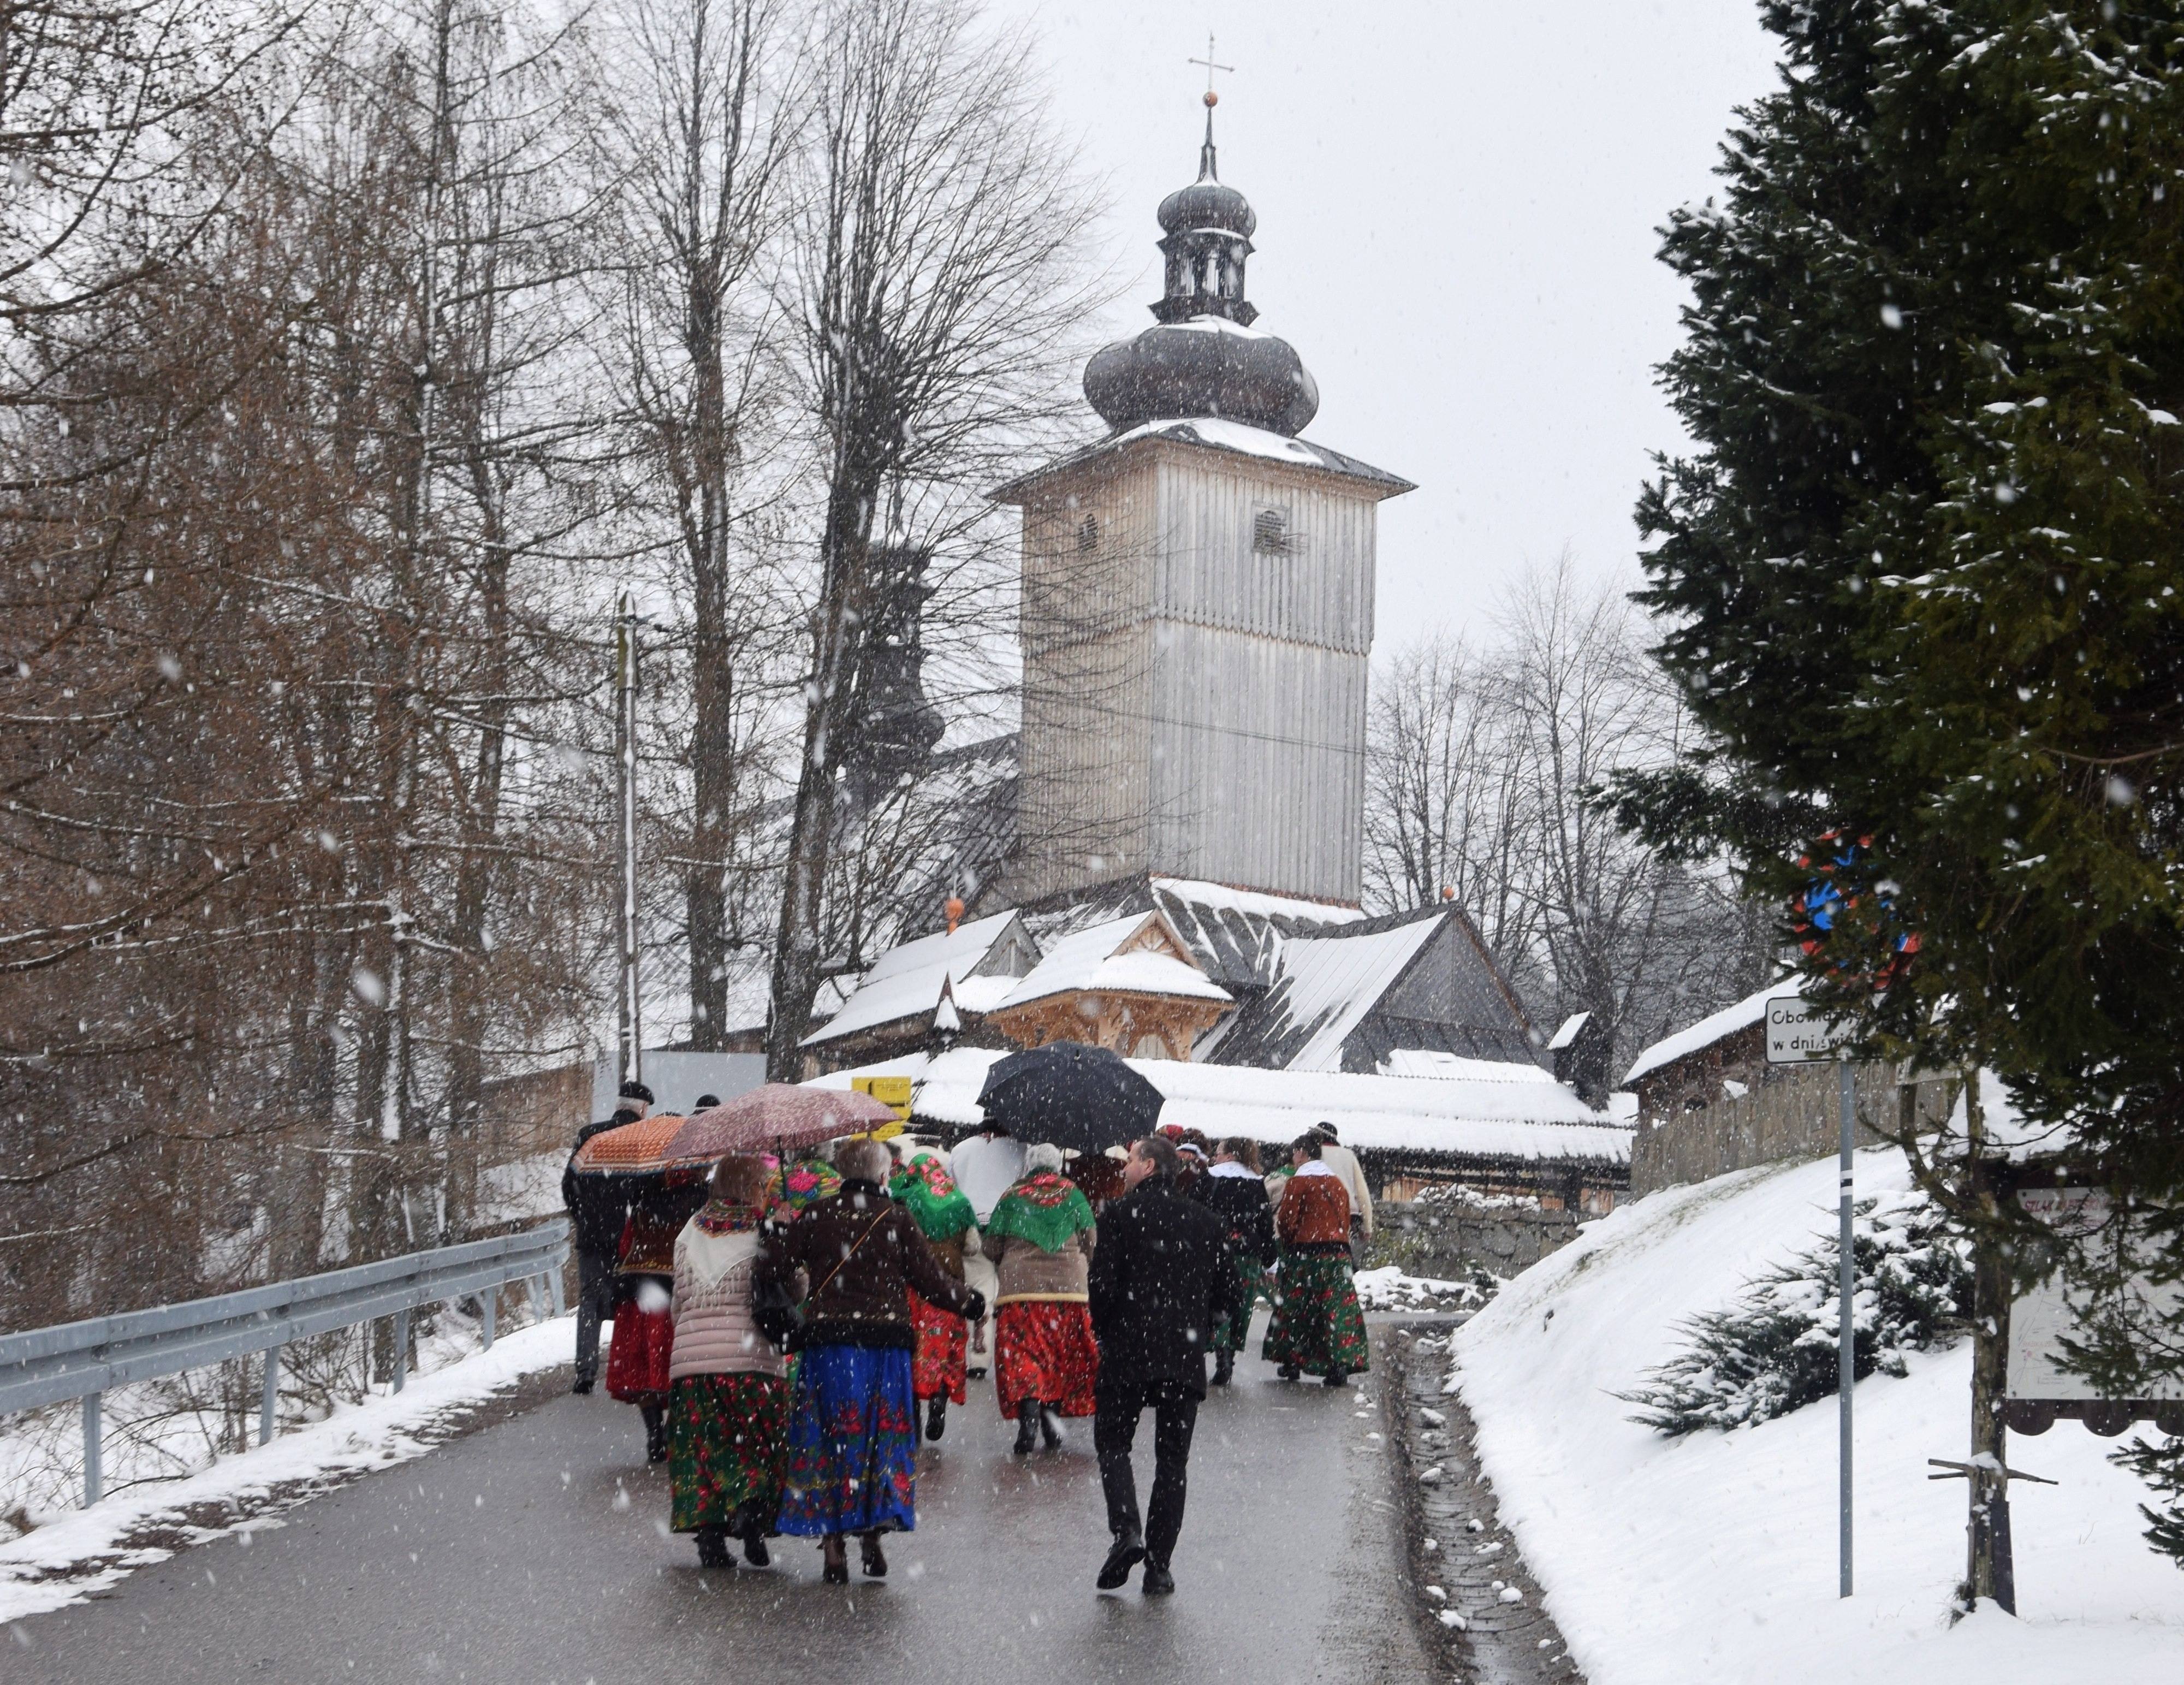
(792, 1328)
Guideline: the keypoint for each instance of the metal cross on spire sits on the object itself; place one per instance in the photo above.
(1205, 167)
(1212, 98)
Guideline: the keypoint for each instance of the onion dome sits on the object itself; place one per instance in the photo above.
(1204, 358)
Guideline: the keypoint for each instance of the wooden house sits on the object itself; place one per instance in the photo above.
(1129, 983)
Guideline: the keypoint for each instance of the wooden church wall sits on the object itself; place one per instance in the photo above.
(1212, 573)
(1084, 792)
(1194, 702)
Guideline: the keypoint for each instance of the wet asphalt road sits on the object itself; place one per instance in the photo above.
(536, 1551)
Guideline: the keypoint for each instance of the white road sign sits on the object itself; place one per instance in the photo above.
(1798, 1032)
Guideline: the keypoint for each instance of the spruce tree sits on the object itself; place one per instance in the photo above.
(1924, 572)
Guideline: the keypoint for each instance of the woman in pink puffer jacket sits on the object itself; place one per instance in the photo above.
(728, 1398)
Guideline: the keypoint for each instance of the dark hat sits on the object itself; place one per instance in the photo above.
(1325, 1131)
(636, 1090)
(705, 1100)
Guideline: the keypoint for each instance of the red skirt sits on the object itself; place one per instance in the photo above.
(636, 1360)
(1044, 1349)
(943, 1338)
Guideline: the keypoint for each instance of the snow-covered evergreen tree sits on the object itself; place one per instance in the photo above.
(1775, 1349)
(1925, 568)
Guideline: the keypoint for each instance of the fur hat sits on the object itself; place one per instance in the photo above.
(1044, 1156)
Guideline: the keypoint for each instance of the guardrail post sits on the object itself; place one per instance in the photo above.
(554, 1289)
(401, 1348)
(488, 1303)
(268, 1397)
(92, 1482)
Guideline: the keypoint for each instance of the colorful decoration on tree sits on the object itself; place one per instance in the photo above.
(1843, 896)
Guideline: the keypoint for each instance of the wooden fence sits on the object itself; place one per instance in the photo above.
(1792, 1117)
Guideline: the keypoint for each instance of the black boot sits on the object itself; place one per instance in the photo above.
(655, 1433)
(1126, 1552)
(936, 1416)
(1338, 1379)
(713, 1547)
(752, 1526)
(1027, 1427)
(1050, 1427)
(1224, 1368)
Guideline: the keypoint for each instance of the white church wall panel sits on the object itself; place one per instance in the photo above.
(1257, 758)
(1212, 568)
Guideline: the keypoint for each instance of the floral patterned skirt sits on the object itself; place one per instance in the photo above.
(1044, 1349)
(637, 1359)
(728, 1446)
(1317, 1326)
(943, 1341)
(1229, 1332)
(852, 1443)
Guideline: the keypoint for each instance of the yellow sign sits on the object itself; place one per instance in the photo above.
(893, 1092)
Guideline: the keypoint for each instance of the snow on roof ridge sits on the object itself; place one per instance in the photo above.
(1254, 903)
(905, 981)
(1726, 1022)
(1086, 959)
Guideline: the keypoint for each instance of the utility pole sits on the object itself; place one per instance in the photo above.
(1845, 1324)
(629, 1026)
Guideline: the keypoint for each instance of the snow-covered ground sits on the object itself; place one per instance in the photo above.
(1712, 1557)
(74, 1553)
(1388, 1288)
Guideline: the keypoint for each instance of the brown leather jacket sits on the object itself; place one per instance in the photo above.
(858, 1253)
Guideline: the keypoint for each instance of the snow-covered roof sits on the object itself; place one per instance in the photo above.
(1432, 1062)
(1327, 987)
(1087, 962)
(1217, 432)
(1569, 1032)
(1710, 1029)
(1497, 1111)
(905, 982)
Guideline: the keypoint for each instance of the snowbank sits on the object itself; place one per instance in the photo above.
(79, 1554)
(1713, 1557)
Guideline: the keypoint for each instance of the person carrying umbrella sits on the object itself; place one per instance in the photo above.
(728, 1399)
(1317, 1327)
(941, 1369)
(1047, 1362)
(853, 1260)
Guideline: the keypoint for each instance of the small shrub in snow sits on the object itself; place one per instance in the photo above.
(1774, 1349)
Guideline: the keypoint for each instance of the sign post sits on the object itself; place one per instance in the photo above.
(1797, 1033)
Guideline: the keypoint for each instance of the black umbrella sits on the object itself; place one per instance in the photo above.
(1075, 1096)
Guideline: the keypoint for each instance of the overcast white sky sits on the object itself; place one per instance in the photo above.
(1457, 204)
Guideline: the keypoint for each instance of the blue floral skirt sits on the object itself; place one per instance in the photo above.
(852, 1443)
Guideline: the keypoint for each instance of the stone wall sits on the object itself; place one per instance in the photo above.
(1448, 1239)
(1792, 1118)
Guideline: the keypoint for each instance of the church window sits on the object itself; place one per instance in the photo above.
(1088, 535)
(1270, 531)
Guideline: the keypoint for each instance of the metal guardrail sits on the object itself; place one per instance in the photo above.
(85, 1359)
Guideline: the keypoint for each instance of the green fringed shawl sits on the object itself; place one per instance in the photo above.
(1045, 1209)
(940, 1209)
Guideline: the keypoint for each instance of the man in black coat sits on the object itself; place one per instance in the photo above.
(1161, 1274)
(597, 1210)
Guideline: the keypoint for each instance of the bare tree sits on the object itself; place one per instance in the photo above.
(935, 257)
(1448, 817)
(1483, 764)
(704, 137)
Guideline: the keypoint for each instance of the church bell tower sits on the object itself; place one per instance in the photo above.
(1197, 602)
